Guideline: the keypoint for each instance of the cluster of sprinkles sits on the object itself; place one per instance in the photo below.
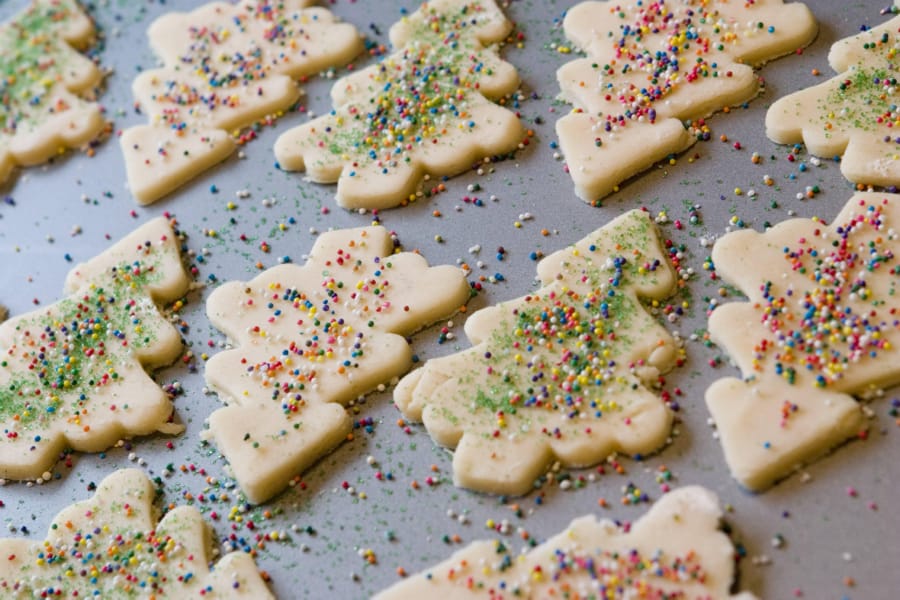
(839, 320)
(323, 338)
(220, 74)
(33, 61)
(420, 93)
(598, 573)
(111, 546)
(106, 562)
(559, 352)
(325, 335)
(673, 44)
(219, 70)
(63, 356)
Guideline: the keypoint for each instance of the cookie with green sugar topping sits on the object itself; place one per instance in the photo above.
(73, 374)
(676, 550)
(426, 109)
(853, 115)
(308, 340)
(113, 546)
(819, 329)
(46, 86)
(225, 67)
(654, 70)
(562, 374)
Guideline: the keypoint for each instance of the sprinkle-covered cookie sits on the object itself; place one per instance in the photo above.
(112, 546)
(819, 327)
(226, 66)
(309, 340)
(72, 375)
(46, 86)
(676, 550)
(561, 374)
(854, 114)
(428, 108)
(653, 69)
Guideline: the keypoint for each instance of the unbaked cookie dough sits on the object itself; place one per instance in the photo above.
(426, 109)
(819, 325)
(653, 69)
(46, 86)
(561, 374)
(112, 546)
(676, 550)
(72, 375)
(308, 341)
(225, 67)
(855, 113)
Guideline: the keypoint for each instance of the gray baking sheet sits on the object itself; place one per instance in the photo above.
(830, 533)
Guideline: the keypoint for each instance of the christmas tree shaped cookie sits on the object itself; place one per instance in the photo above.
(853, 114)
(309, 340)
(560, 374)
(676, 550)
(72, 375)
(819, 327)
(226, 66)
(112, 546)
(425, 109)
(654, 67)
(45, 84)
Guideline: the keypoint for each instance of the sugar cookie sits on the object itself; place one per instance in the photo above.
(72, 375)
(560, 374)
(853, 114)
(46, 85)
(676, 550)
(309, 340)
(426, 109)
(112, 546)
(225, 67)
(819, 326)
(652, 68)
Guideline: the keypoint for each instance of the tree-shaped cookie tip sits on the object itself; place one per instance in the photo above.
(654, 67)
(225, 67)
(428, 108)
(560, 374)
(111, 546)
(310, 339)
(676, 550)
(819, 326)
(45, 84)
(72, 375)
(852, 116)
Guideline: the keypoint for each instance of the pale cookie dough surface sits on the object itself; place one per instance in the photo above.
(428, 108)
(820, 327)
(225, 67)
(45, 84)
(72, 375)
(853, 115)
(633, 96)
(561, 374)
(308, 341)
(112, 546)
(676, 550)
